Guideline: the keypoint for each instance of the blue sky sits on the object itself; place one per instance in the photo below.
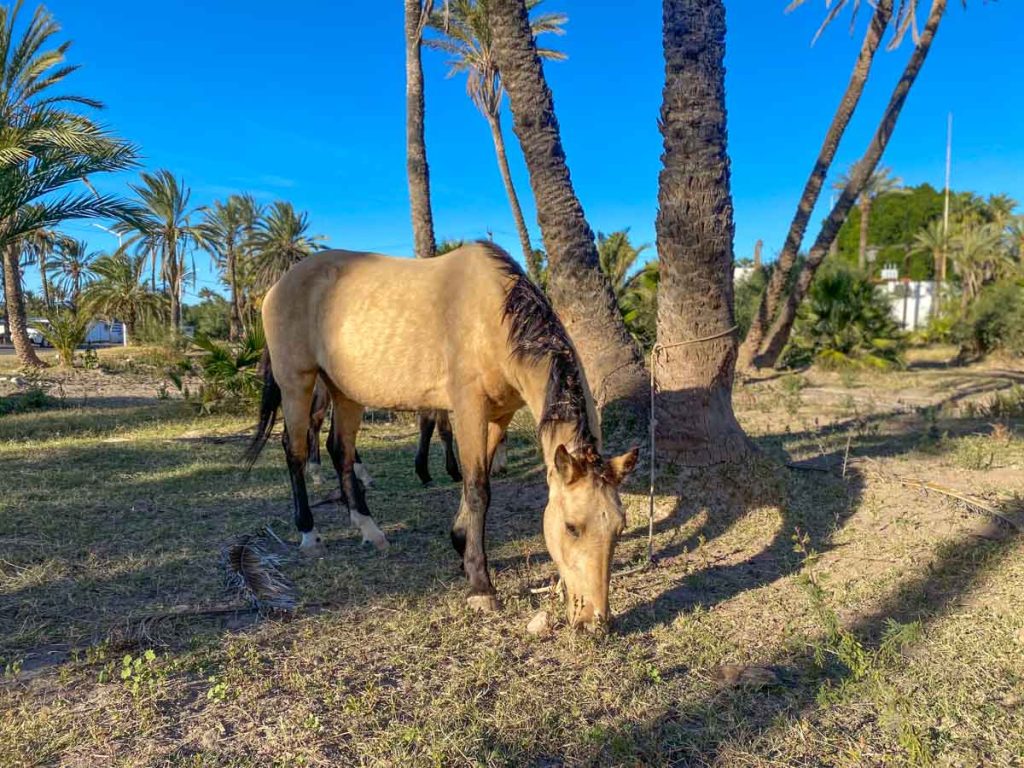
(304, 101)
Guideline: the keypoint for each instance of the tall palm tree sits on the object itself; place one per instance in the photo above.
(282, 239)
(776, 286)
(73, 264)
(617, 256)
(251, 213)
(696, 328)
(778, 335)
(164, 231)
(224, 232)
(417, 14)
(979, 257)
(579, 291)
(879, 182)
(120, 292)
(467, 38)
(40, 247)
(44, 149)
(934, 240)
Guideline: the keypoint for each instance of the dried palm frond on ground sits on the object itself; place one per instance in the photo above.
(252, 562)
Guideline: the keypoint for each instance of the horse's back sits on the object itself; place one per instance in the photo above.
(388, 331)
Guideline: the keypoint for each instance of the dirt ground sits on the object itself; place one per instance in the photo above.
(850, 597)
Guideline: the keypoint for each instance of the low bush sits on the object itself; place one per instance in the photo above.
(994, 322)
(846, 322)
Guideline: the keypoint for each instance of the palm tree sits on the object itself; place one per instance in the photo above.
(776, 286)
(251, 214)
(40, 246)
(44, 148)
(696, 329)
(879, 182)
(467, 38)
(281, 240)
(223, 232)
(120, 292)
(617, 256)
(639, 305)
(74, 264)
(778, 335)
(934, 239)
(164, 230)
(579, 291)
(417, 14)
(979, 257)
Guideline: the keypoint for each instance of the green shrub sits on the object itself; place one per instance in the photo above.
(995, 321)
(32, 399)
(65, 331)
(845, 322)
(230, 372)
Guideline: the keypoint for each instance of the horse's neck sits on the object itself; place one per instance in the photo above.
(533, 385)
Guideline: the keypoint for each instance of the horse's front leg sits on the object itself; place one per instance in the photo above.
(469, 526)
(451, 461)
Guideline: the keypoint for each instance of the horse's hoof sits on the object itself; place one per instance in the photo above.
(428, 483)
(312, 545)
(483, 603)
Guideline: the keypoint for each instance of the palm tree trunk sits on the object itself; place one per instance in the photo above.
(46, 286)
(859, 176)
(865, 220)
(579, 291)
(693, 413)
(772, 295)
(529, 258)
(15, 300)
(235, 319)
(416, 14)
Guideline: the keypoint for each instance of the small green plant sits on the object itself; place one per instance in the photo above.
(90, 360)
(65, 331)
(975, 454)
(139, 674)
(218, 689)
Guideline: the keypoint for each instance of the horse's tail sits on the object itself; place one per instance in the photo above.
(270, 401)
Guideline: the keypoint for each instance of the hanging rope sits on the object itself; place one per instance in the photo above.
(656, 350)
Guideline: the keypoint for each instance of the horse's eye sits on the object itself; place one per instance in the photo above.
(572, 530)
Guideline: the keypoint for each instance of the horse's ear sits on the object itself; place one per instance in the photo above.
(619, 468)
(568, 468)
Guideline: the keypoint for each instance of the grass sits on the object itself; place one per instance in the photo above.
(795, 617)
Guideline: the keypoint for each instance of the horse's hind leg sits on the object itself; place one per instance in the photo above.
(341, 444)
(296, 397)
(451, 461)
(427, 421)
(317, 415)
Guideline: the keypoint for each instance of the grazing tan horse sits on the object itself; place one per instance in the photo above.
(465, 332)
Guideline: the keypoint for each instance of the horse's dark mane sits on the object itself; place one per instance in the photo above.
(537, 335)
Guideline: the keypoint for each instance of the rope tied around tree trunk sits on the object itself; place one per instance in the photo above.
(656, 350)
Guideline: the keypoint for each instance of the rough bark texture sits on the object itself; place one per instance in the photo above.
(415, 144)
(529, 258)
(16, 310)
(859, 176)
(865, 219)
(773, 292)
(579, 291)
(693, 412)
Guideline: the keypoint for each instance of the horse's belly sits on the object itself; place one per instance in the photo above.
(384, 376)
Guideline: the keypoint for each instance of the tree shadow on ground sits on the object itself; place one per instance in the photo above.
(134, 528)
(698, 732)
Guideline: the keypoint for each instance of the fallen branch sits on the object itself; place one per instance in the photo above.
(972, 502)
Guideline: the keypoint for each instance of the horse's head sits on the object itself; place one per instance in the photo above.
(582, 521)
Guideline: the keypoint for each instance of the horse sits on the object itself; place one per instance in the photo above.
(427, 421)
(369, 326)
